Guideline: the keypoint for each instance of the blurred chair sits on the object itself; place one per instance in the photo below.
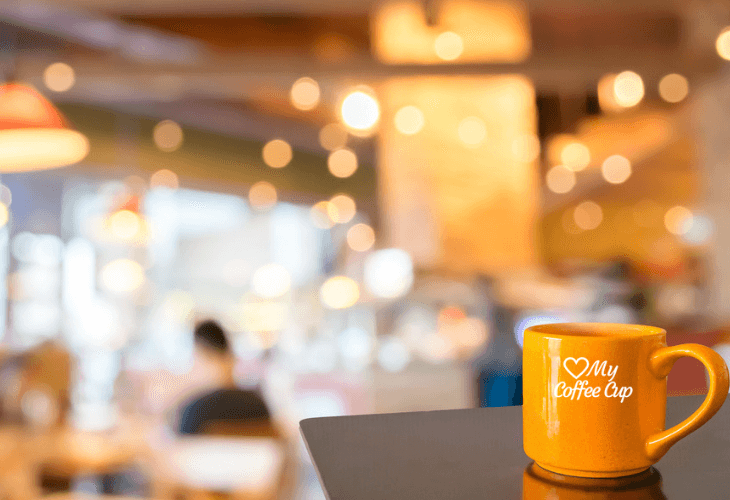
(231, 460)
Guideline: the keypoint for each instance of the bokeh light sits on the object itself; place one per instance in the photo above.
(472, 131)
(125, 224)
(389, 273)
(270, 281)
(560, 179)
(588, 215)
(277, 153)
(342, 163)
(168, 136)
(526, 148)
(122, 276)
(448, 45)
(361, 237)
(262, 195)
(339, 292)
(360, 110)
(576, 156)
(164, 179)
(722, 44)
(305, 94)
(628, 89)
(59, 77)
(333, 136)
(341, 208)
(409, 120)
(673, 87)
(677, 218)
(698, 229)
(321, 214)
(616, 169)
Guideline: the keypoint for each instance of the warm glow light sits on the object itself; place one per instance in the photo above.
(339, 292)
(560, 179)
(606, 98)
(4, 214)
(262, 195)
(34, 149)
(673, 87)
(472, 131)
(361, 237)
(321, 214)
(342, 163)
(628, 89)
(588, 215)
(389, 273)
(125, 224)
(676, 219)
(277, 153)
(526, 148)
(448, 46)
(271, 281)
(59, 77)
(722, 44)
(341, 208)
(164, 179)
(409, 120)
(575, 156)
(333, 136)
(122, 275)
(616, 169)
(304, 94)
(168, 136)
(360, 110)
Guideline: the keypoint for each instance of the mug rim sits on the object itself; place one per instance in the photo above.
(596, 330)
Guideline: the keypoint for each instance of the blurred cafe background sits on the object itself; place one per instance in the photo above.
(251, 212)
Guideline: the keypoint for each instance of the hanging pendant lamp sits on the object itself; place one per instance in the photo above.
(34, 135)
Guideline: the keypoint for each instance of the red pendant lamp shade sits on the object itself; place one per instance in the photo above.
(34, 135)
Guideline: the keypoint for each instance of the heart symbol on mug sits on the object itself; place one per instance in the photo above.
(576, 363)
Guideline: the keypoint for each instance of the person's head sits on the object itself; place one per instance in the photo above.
(211, 339)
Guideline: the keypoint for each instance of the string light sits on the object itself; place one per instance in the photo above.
(342, 163)
(271, 281)
(448, 46)
(560, 179)
(333, 136)
(409, 120)
(360, 110)
(628, 89)
(168, 136)
(673, 87)
(59, 77)
(341, 208)
(277, 153)
(676, 219)
(588, 215)
(305, 94)
(722, 44)
(361, 237)
(321, 214)
(339, 292)
(262, 195)
(616, 169)
(164, 179)
(576, 156)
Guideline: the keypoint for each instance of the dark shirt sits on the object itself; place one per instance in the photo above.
(222, 405)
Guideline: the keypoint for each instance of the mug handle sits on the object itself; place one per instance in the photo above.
(660, 363)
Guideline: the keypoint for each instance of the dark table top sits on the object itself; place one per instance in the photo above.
(477, 454)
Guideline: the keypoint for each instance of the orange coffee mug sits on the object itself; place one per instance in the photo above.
(539, 484)
(595, 396)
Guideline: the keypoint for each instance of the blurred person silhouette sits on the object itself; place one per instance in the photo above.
(499, 367)
(227, 405)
